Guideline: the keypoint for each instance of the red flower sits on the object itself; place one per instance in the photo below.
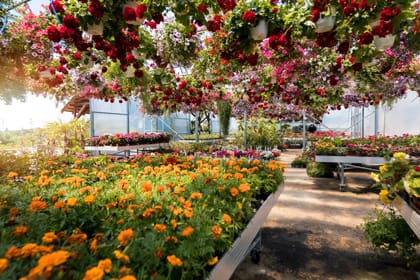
(130, 58)
(202, 8)
(129, 14)
(275, 41)
(70, 21)
(417, 168)
(53, 34)
(56, 6)
(315, 15)
(357, 66)
(158, 17)
(366, 38)
(349, 10)
(66, 33)
(140, 10)
(96, 9)
(249, 16)
(252, 59)
(333, 80)
(77, 56)
(388, 13)
(227, 5)
(151, 24)
(384, 28)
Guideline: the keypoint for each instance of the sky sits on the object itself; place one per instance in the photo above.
(35, 111)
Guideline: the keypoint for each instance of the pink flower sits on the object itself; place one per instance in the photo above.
(249, 16)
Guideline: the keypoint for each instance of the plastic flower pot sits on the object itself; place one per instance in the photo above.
(95, 29)
(383, 43)
(260, 31)
(324, 24)
(45, 74)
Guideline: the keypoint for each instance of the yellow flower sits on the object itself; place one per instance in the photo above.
(383, 168)
(187, 231)
(213, 261)
(125, 236)
(384, 196)
(374, 176)
(105, 265)
(121, 256)
(173, 260)
(4, 263)
(399, 155)
(95, 273)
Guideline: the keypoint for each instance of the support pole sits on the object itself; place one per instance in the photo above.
(197, 134)
(245, 127)
(363, 122)
(376, 121)
(304, 130)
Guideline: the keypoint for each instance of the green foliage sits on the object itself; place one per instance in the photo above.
(261, 133)
(201, 136)
(300, 161)
(316, 169)
(388, 231)
(224, 110)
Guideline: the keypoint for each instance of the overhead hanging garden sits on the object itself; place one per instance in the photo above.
(183, 55)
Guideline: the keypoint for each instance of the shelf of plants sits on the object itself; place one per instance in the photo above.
(167, 216)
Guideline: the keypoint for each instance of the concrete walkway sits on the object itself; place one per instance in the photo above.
(312, 233)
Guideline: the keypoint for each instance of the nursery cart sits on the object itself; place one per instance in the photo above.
(248, 242)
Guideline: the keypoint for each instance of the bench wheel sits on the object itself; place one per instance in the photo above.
(255, 256)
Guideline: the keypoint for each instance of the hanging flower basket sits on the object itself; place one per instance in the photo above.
(383, 43)
(95, 29)
(260, 31)
(326, 24)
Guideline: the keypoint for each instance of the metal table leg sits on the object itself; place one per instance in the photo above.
(341, 176)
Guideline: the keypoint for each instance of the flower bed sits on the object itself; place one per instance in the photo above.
(164, 216)
(129, 139)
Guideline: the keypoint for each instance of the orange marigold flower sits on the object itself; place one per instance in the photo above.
(193, 176)
(227, 219)
(20, 231)
(59, 204)
(128, 277)
(53, 259)
(72, 201)
(227, 176)
(94, 273)
(173, 260)
(121, 256)
(146, 186)
(125, 236)
(12, 175)
(244, 187)
(159, 253)
(160, 227)
(43, 172)
(44, 181)
(213, 261)
(187, 231)
(4, 263)
(37, 205)
(171, 238)
(238, 176)
(160, 189)
(123, 184)
(188, 213)
(90, 199)
(105, 265)
(77, 162)
(27, 178)
(13, 211)
(177, 211)
(50, 237)
(173, 223)
(61, 192)
(216, 231)
(77, 238)
(93, 245)
(234, 192)
(195, 195)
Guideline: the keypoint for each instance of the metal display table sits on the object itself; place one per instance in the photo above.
(126, 150)
(249, 241)
(346, 162)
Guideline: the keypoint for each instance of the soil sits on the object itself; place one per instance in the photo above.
(313, 232)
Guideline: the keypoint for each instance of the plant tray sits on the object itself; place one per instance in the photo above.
(409, 214)
(351, 159)
(117, 149)
(241, 247)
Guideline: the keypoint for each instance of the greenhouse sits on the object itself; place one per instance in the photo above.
(228, 139)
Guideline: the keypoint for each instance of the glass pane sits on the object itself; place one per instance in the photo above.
(109, 124)
(97, 105)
